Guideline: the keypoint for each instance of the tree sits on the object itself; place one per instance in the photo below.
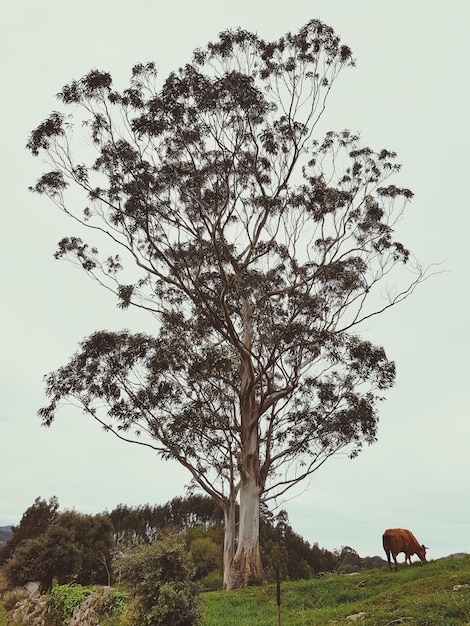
(52, 555)
(93, 537)
(34, 522)
(65, 546)
(259, 248)
(348, 560)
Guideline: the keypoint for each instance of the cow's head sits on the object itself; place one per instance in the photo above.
(421, 552)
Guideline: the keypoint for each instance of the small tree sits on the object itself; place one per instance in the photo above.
(68, 546)
(93, 537)
(259, 248)
(52, 555)
(35, 521)
(160, 578)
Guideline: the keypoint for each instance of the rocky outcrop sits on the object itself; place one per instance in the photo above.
(91, 611)
(31, 606)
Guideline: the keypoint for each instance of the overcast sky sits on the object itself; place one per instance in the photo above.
(408, 93)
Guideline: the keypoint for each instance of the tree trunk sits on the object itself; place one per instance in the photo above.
(246, 568)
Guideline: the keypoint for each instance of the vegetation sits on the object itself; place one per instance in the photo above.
(78, 548)
(259, 245)
(34, 522)
(64, 547)
(62, 600)
(433, 594)
(108, 604)
(420, 595)
(160, 578)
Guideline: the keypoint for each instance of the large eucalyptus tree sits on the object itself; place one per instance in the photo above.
(258, 247)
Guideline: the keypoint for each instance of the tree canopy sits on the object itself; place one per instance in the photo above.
(260, 249)
(65, 547)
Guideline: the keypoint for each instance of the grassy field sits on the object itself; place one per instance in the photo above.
(420, 595)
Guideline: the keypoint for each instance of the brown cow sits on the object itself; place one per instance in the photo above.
(397, 540)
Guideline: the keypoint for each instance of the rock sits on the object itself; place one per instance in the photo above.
(31, 608)
(90, 611)
(356, 617)
(32, 589)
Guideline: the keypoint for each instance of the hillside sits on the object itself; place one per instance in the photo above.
(5, 534)
(433, 594)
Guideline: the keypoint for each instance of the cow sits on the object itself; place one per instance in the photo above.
(397, 540)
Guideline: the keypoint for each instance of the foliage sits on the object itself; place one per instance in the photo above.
(283, 549)
(199, 517)
(260, 248)
(212, 582)
(348, 560)
(34, 522)
(143, 524)
(65, 546)
(93, 535)
(206, 555)
(422, 595)
(61, 602)
(160, 578)
(106, 604)
(11, 598)
(52, 555)
(109, 605)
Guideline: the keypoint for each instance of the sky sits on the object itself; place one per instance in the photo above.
(409, 93)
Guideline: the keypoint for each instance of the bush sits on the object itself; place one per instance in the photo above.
(206, 556)
(212, 582)
(62, 601)
(109, 603)
(160, 577)
(106, 604)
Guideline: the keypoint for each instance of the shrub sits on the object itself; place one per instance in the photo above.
(212, 582)
(206, 556)
(160, 577)
(109, 603)
(61, 602)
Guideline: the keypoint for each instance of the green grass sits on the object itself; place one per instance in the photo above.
(420, 595)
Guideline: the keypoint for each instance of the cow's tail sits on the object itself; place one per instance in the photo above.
(387, 547)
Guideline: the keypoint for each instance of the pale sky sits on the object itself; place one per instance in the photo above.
(409, 93)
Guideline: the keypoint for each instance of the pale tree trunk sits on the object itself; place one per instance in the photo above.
(246, 568)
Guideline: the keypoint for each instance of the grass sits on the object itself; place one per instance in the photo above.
(420, 595)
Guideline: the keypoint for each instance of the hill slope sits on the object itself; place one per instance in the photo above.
(433, 594)
(5, 533)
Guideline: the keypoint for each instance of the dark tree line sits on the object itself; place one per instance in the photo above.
(142, 524)
(65, 547)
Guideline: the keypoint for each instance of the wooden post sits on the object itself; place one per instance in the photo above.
(278, 596)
